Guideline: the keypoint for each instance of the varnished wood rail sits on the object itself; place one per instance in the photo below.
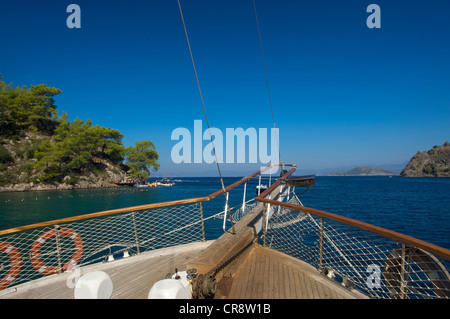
(434, 249)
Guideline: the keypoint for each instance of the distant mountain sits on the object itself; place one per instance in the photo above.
(364, 171)
(431, 163)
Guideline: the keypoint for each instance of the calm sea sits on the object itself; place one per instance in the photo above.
(419, 207)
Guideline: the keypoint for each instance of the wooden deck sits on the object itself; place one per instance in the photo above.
(269, 274)
(260, 273)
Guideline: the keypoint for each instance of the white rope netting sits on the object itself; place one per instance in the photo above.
(43, 251)
(378, 266)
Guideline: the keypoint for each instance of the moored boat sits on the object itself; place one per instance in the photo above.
(124, 183)
(165, 182)
(260, 189)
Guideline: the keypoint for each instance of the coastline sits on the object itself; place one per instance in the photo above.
(30, 187)
(346, 175)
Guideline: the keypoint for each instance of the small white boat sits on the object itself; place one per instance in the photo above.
(165, 182)
(260, 189)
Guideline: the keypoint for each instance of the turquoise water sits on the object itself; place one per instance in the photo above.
(418, 207)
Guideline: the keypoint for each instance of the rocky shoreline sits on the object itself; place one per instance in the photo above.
(432, 163)
(25, 187)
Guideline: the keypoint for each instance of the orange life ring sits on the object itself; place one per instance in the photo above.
(35, 251)
(16, 264)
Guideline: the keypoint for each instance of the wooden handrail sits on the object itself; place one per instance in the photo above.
(434, 249)
(104, 213)
(140, 207)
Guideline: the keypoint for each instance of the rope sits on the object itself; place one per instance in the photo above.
(267, 81)
(201, 96)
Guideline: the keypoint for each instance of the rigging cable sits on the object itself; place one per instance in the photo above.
(267, 83)
(206, 116)
(201, 96)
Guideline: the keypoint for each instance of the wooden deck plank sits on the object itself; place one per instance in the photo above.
(292, 283)
(322, 292)
(300, 280)
(315, 290)
(283, 282)
(268, 290)
(289, 279)
(250, 289)
(271, 280)
(255, 282)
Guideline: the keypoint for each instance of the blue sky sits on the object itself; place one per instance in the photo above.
(343, 94)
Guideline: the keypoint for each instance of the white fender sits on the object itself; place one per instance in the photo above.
(94, 285)
(177, 287)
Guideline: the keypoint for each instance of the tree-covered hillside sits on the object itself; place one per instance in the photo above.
(38, 145)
